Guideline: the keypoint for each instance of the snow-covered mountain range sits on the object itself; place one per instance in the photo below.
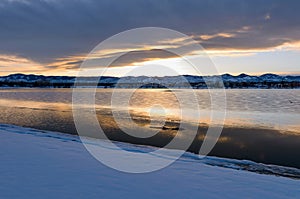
(185, 81)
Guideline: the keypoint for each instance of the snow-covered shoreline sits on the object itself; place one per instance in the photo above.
(49, 164)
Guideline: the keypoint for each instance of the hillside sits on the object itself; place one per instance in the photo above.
(197, 82)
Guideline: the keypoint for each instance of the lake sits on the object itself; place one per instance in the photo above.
(260, 125)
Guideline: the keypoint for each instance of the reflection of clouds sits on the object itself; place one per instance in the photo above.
(241, 145)
(221, 139)
(35, 104)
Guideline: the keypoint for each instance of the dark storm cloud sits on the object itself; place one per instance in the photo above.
(46, 30)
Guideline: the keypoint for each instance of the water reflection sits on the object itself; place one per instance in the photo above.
(261, 125)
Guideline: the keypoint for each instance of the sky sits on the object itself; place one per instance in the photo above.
(53, 37)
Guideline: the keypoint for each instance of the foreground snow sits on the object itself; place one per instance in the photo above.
(38, 164)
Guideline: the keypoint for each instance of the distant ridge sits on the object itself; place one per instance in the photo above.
(268, 80)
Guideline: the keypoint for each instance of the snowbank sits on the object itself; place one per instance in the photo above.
(37, 164)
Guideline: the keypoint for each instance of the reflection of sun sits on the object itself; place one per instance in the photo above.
(156, 111)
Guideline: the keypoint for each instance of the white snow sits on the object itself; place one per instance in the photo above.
(37, 164)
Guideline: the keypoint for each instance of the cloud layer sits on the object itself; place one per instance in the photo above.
(47, 31)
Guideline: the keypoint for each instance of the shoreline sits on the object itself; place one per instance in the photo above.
(245, 140)
(268, 146)
(33, 161)
(227, 163)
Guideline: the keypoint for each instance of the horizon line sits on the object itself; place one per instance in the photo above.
(234, 75)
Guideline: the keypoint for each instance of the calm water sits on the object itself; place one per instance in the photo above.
(276, 109)
(260, 125)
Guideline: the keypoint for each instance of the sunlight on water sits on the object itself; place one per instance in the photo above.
(278, 109)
